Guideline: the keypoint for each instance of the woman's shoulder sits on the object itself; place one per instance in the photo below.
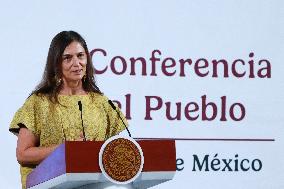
(99, 98)
(37, 99)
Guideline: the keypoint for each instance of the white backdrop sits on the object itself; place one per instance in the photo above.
(222, 29)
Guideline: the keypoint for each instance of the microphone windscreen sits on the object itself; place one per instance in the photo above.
(80, 105)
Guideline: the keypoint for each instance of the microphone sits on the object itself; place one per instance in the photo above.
(114, 108)
(81, 110)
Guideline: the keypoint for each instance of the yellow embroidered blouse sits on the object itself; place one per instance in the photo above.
(53, 122)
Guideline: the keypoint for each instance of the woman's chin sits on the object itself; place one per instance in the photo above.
(75, 79)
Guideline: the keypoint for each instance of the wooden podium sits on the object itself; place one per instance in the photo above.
(76, 165)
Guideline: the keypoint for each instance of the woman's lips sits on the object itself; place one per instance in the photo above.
(77, 71)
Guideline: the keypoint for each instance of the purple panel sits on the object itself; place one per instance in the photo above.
(53, 166)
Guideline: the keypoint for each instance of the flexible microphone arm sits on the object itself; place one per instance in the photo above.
(81, 110)
(114, 108)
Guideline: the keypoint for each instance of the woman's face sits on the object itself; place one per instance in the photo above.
(74, 61)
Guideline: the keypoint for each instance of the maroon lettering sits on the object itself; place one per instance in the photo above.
(223, 108)
(128, 106)
(172, 64)
(205, 105)
(215, 68)
(242, 112)
(149, 108)
(187, 111)
(153, 60)
(178, 111)
(251, 66)
(114, 62)
(182, 63)
(199, 65)
(92, 54)
(267, 69)
(142, 61)
(234, 70)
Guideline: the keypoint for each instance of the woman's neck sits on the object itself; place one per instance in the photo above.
(72, 88)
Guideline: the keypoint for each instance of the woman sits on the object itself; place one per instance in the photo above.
(66, 105)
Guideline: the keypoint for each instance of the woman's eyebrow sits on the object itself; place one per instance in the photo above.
(64, 55)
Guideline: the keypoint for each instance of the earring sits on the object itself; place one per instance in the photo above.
(84, 78)
(57, 80)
